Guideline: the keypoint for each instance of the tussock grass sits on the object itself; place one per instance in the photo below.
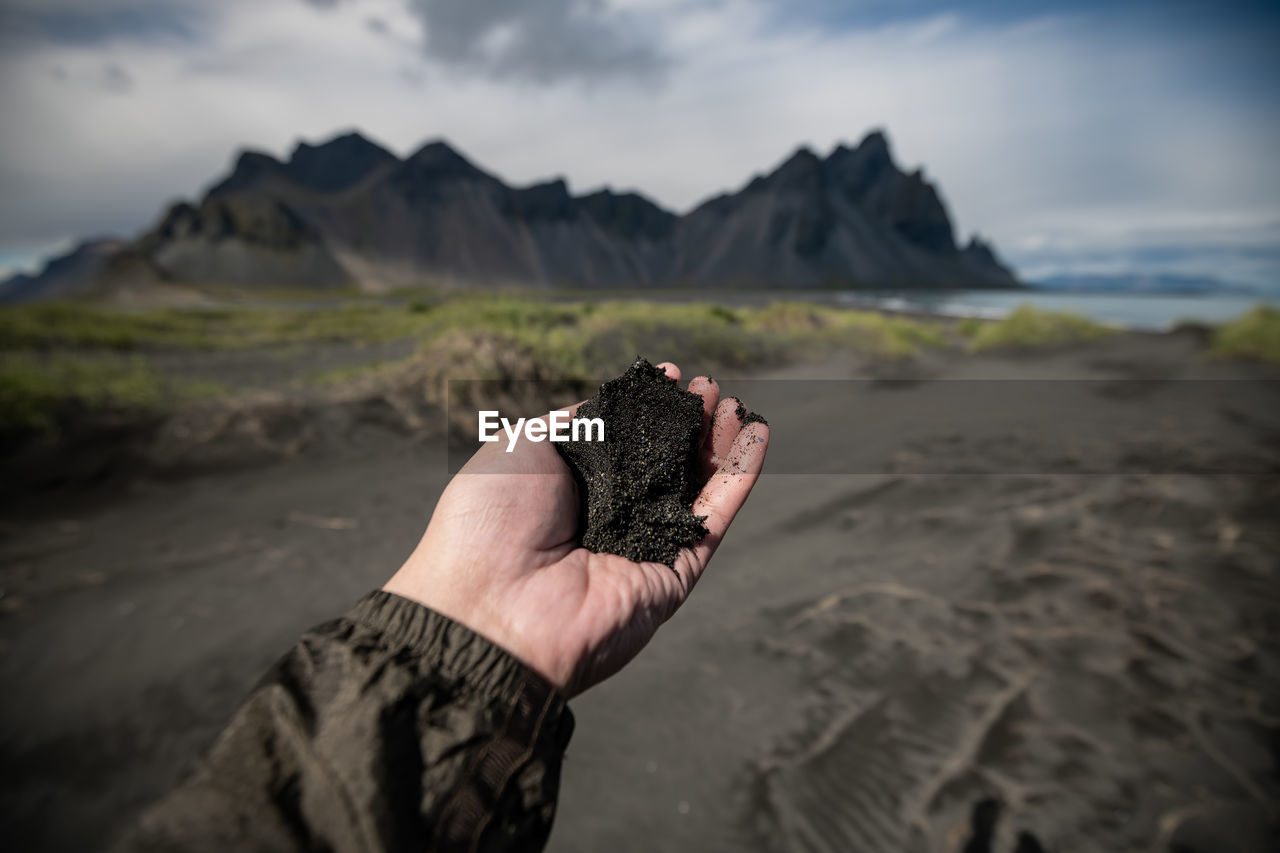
(84, 326)
(61, 357)
(38, 394)
(1253, 336)
(867, 332)
(571, 333)
(1029, 328)
(591, 339)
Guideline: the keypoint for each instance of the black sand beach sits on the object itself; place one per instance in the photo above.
(960, 612)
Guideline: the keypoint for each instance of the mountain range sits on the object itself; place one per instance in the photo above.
(349, 213)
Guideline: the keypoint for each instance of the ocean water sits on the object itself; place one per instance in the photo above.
(1154, 311)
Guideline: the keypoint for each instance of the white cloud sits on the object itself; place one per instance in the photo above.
(1050, 134)
(547, 41)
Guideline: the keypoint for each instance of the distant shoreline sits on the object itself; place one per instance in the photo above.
(1140, 311)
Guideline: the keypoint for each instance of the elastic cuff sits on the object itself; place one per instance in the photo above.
(456, 651)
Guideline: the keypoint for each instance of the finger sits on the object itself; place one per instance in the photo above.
(671, 370)
(724, 428)
(727, 490)
(706, 388)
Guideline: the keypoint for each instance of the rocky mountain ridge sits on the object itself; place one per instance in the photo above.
(349, 213)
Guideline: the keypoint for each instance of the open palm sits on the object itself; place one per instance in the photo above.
(501, 555)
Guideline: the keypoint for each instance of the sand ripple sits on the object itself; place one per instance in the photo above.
(1109, 677)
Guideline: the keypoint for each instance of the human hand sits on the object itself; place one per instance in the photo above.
(501, 556)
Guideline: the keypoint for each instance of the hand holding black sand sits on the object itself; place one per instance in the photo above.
(399, 727)
(501, 554)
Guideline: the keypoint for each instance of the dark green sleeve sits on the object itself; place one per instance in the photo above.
(392, 728)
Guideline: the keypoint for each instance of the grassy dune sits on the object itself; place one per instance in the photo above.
(85, 326)
(1030, 328)
(1254, 336)
(566, 332)
(67, 360)
(60, 362)
(42, 392)
(34, 392)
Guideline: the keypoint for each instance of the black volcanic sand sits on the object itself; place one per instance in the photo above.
(745, 417)
(638, 484)
(870, 656)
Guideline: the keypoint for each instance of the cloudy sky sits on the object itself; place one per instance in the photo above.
(1086, 136)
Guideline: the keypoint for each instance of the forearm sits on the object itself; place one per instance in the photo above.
(390, 728)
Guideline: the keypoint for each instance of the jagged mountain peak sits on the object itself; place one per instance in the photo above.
(802, 156)
(628, 214)
(876, 143)
(437, 161)
(251, 169)
(854, 169)
(336, 164)
(548, 200)
(556, 186)
(438, 151)
(981, 252)
(801, 171)
(331, 166)
(351, 140)
(858, 169)
(251, 157)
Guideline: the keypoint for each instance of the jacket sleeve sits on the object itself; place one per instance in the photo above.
(392, 728)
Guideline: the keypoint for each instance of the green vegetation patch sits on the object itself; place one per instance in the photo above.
(590, 339)
(63, 360)
(39, 393)
(52, 325)
(571, 334)
(970, 326)
(1254, 335)
(1031, 328)
(868, 332)
(35, 393)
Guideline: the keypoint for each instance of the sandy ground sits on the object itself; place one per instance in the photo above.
(1050, 580)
